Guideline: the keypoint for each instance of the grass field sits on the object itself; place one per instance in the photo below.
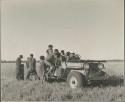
(13, 90)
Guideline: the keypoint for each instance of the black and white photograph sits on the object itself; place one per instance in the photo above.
(62, 50)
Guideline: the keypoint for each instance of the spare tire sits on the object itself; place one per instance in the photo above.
(75, 79)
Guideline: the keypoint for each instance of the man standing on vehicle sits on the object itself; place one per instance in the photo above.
(68, 56)
(32, 67)
(50, 55)
(50, 49)
(57, 58)
(18, 67)
(63, 59)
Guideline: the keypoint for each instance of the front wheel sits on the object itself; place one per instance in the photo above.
(75, 80)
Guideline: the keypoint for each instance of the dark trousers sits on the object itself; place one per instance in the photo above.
(20, 73)
(29, 71)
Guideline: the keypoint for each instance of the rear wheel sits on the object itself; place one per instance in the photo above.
(75, 79)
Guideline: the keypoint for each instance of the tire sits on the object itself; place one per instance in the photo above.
(75, 80)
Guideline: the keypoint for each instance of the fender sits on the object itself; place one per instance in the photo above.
(83, 72)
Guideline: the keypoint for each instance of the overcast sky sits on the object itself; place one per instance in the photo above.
(92, 28)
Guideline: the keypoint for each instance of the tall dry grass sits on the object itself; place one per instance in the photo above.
(13, 90)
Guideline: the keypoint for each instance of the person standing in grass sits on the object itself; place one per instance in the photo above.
(31, 67)
(27, 62)
(18, 67)
(41, 68)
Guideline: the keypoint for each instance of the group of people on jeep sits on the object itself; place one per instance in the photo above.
(54, 59)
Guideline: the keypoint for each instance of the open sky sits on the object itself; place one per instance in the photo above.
(92, 28)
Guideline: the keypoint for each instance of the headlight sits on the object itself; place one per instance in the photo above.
(100, 66)
(86, 66)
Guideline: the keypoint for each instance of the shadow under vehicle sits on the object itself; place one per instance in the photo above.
(80, 73)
